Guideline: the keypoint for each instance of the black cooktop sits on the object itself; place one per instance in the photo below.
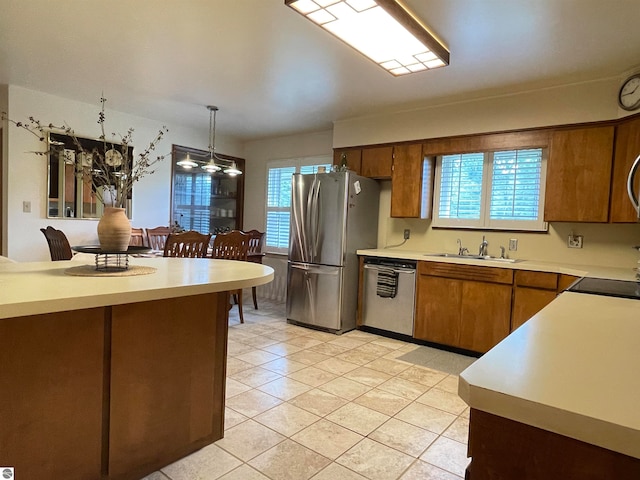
(609, 288)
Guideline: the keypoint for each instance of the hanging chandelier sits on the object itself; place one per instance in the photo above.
(214, 164)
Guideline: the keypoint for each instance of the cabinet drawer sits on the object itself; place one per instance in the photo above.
(466, 272)
(544, 280)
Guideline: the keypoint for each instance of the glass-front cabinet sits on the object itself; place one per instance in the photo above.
(208, 202)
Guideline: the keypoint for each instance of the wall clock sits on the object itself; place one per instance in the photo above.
(629, 95)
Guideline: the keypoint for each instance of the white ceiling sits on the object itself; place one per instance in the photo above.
(272, 72)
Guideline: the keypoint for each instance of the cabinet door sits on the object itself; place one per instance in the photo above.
(627, 149)
(354, 158)
(411, 181)
(527, 302)
(485, 315)
(578, 175)
(376, 162)
(438, 310)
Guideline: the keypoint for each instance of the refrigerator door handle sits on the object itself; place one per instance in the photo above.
(630, 185)
(316, 219)
(299, 223)
(308, 268)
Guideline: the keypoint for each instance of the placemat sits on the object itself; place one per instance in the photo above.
(90, 271)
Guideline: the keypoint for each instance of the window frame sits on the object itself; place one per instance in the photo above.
(296, 163)
(485, 222)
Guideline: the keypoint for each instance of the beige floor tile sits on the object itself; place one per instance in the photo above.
(448, 455)
(255, 376)
(244, 472)
(336, 366)
(308, 357)
(282, 348)
(345, 388)
(283, 365)
(383, 402)
(424, 416)
(337, 472)
(361, 335)
(392, 367)
(248, 440)
(282, 335)
(239, 333)
(286, 419)
(289, 461)
(252, 402)
(357, 357)
(466, 412)
(322, 336)
(257, 357)
(235, 348)
(235, 365)
(360, 419)
(331, 350)
(232, 418)
(424, 376)
(327, 438)
(423, 471)
(367, 376)
(234, 388)
(449, 402)
(305, 342)
(403, 388)
(347, 342)
(403, 436)
(449, 384)
(156, 476)
(318, 402)
(209, 462)
(389, 343)
(312, 376)
(375, 461)
(374, 349)
(459, 430)
(284, 388)
(260, 341)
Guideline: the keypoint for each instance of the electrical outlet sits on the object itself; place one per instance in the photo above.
(26, 206)
(407, 233)
(513, 244)
(574, 241)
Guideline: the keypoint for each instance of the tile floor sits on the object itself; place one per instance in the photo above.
(304, 404)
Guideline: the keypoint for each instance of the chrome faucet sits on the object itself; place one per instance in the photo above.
(483, 247)
(462, 250)
(502, 252)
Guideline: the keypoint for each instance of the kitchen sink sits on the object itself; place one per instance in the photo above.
(474, 257)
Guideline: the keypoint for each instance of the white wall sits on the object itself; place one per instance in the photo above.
(26, 177)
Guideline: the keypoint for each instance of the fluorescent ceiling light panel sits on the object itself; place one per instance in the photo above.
(379, 29)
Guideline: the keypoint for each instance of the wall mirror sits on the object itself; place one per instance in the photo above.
(208, 202)
(72, 195)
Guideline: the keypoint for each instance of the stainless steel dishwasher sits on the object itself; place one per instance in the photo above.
(391, 313)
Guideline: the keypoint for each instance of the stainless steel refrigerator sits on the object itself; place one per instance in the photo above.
(332, 215)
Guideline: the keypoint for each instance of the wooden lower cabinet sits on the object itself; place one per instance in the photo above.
(503, 449)
(527, 302)
(467, 314)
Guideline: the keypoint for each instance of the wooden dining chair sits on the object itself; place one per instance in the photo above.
(59, 247)
(233, 245)
(256, 242)
(157, 237)
(189, 244)
(138, 237)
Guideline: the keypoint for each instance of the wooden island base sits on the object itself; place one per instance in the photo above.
(113, 392)
(503, 449)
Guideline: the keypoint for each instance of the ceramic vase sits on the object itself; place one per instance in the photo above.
(114, 230)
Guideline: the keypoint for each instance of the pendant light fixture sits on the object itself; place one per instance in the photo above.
(211, 166)
(187, 163)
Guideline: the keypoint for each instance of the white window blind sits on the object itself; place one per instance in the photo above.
(192, 201)
(496, 190)
(278, 204)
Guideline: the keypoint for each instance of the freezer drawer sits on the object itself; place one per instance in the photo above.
(390, 314)
(314, 295)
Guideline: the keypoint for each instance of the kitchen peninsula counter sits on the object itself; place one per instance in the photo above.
(113, 377)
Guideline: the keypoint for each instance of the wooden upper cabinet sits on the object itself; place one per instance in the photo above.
(354, 158)
(579, 175)
(411, 182)
(627, 149)
(376, 162)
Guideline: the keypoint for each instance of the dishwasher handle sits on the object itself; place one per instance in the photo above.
(403, 270)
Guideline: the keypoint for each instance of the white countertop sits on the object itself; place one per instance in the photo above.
(43, 287)
(571, 369)
(567, 269)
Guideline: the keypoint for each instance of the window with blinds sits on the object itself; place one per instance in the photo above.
(493, 190)
(278, 204)
(192, 198)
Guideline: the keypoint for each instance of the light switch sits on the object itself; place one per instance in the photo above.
(26, 206)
